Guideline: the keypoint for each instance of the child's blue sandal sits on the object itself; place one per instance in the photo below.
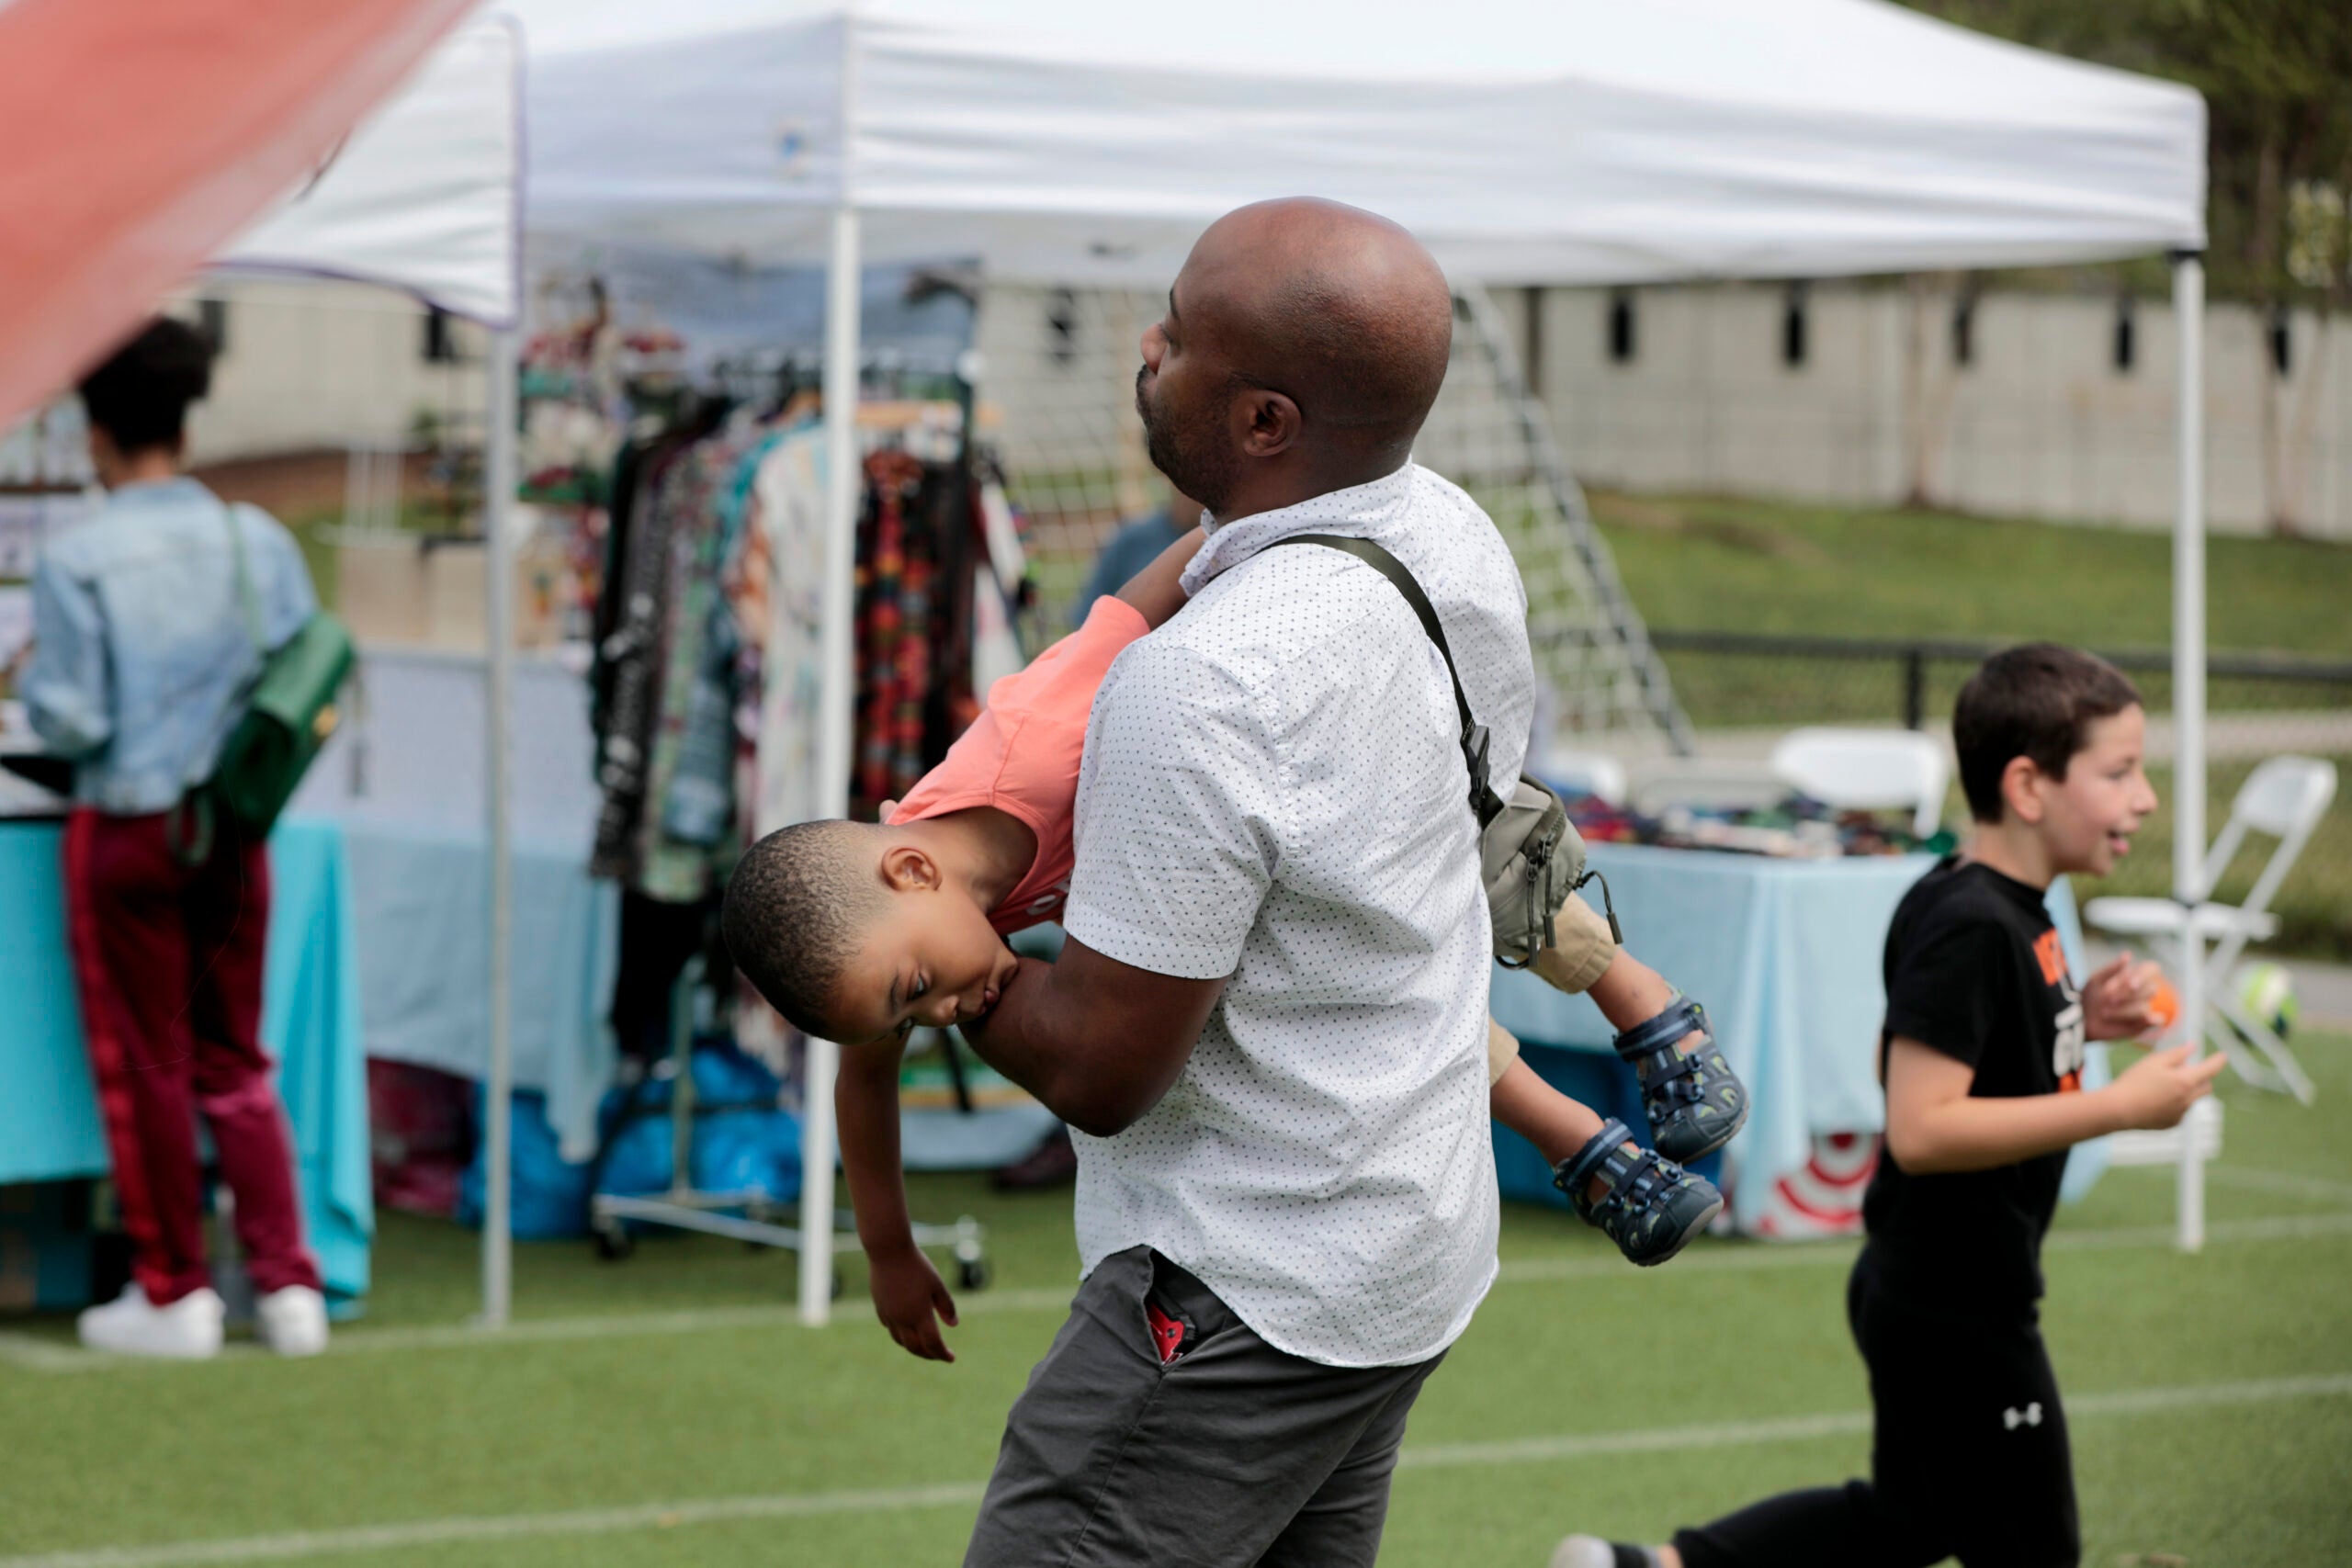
(1653, 1206)
(1695, 1104)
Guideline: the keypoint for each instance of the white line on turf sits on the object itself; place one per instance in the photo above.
(508, 1527)
(35, 1353)
(424, 1533)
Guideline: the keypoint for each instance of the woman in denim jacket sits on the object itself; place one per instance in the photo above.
(144, 650)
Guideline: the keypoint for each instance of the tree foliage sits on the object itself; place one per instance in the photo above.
(2276, 77)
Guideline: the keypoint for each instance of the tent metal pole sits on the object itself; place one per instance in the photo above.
(498, 498)
(2189, 705)
(833, 739)
(837, 683)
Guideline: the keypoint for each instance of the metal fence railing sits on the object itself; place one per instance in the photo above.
(2259, 705)
(1754, 678)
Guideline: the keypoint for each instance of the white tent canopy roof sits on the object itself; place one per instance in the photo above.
(1556, 140)
(423, 196)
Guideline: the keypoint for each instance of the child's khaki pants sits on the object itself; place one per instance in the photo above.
(1584, 951)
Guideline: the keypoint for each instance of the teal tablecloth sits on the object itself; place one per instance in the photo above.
(1785, 955)
(50, 1128)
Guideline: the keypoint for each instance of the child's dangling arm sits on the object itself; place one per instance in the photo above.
(908, 1295)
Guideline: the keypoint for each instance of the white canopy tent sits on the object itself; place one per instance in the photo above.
(1525, 141)
(426, 198)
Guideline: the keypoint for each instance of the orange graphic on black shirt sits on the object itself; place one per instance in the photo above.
(2050, 956)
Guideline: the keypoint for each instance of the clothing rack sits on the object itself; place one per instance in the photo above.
(936, 433)
(686, 1207)
(884, 374)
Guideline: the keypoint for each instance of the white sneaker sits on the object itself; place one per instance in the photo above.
(292, 1321)
(1584, 1551)
(187, 1330)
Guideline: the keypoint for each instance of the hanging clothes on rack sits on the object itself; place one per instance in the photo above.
(686, 834)
(712, 791)
(779, 585)
(629, 624)
(709, 654)
(915, 622)
(894, 576)
(948, 502)
(1001, 585)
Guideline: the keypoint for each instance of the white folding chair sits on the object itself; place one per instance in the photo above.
(2285, 798)
(1865, 770)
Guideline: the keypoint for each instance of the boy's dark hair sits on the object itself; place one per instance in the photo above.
(796, 906)
(2034, 701)
(140, 395)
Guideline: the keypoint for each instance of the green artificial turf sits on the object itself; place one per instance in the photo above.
(600, 1401)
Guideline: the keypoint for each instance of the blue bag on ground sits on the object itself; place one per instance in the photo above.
(547, 1197)
(741, 1144)
(750, 1147)
(636, 1156)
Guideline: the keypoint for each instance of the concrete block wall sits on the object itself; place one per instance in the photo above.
(315, 364)
(2041, 423)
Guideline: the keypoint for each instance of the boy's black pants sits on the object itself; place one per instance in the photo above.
(1969, 1458)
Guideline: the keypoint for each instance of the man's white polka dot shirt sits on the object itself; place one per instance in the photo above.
(1273, 790)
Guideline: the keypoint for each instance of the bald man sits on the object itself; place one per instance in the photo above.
(1269, 1024)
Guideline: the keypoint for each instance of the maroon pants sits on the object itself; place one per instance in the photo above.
(167, 957)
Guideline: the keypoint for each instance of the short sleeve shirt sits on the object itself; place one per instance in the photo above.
(1975, 970)
(1021, 756)
(1274, 791)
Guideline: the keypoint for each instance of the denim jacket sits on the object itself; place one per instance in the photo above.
(142, 657)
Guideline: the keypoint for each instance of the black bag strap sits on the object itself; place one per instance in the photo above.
(1483, 803)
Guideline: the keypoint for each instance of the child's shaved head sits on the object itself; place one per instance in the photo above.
(859, 932)
(798, 910)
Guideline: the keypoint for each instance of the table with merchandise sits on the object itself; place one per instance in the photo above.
(1784, 950)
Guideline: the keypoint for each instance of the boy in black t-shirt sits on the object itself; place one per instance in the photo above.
(1981, 1055)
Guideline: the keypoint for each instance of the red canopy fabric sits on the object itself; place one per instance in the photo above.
(142, 137)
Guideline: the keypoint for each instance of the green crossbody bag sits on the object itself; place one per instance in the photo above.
(289, 715)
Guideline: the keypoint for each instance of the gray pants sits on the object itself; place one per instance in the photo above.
(1234, 1454)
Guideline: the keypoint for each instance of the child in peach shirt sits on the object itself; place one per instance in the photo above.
(861, 933)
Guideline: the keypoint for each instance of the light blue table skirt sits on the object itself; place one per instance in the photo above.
(50, 1127)
(422, 898)
(1785, 955)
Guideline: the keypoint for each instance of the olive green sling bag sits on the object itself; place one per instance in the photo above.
(289, 714)
(1530, 857)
